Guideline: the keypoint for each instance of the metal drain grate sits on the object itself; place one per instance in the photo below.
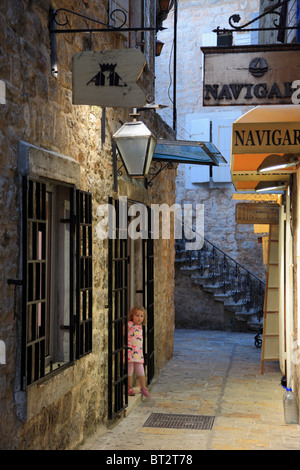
(164, 420)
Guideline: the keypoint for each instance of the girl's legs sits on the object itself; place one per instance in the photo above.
(130, 372)
(140, 372)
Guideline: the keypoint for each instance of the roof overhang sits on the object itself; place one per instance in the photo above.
(182, 151)
(263, 131)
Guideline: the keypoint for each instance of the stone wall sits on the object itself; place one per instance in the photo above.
(197, 309)
(58, 413)
(237, 241)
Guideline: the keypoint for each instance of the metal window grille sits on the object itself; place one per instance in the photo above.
(36, 263)
(34, 281)
(150, 298)
(117, 312)
(84, 273)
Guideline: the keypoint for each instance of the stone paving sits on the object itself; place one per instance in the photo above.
(211, 373)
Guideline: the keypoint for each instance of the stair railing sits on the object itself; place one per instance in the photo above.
(231, 277)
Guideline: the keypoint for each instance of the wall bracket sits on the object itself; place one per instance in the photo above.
(270, 10)
(53, 22)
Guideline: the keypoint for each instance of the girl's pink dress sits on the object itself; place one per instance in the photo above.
(135, 342)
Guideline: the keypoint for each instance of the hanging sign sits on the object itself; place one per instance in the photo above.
(108, 78)
(255, 213)
(266, 138)
(250, 75)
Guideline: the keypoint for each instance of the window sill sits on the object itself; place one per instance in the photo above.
(45, 392)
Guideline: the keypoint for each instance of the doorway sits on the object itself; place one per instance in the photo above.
(131, 282)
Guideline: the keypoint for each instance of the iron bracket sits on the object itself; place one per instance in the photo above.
(268, 11)
(156, 169)
(14, 282)
(53, 31)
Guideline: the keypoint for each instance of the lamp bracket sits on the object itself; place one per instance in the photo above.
(156, 168)
(119, 170)
(270, 10)
(53, 31)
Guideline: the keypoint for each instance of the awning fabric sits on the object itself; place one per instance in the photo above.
(182, 151)
(263, 131)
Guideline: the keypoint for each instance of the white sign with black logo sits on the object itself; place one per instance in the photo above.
(250, 75)
(108, 78)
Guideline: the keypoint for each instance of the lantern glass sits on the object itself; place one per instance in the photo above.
(136, 145)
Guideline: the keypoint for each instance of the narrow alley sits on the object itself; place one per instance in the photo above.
(215, 374)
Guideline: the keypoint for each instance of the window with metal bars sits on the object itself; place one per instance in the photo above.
(57, 278)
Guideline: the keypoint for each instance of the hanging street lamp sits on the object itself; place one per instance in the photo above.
(136, 145)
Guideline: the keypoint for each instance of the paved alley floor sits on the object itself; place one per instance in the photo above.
(212, 373)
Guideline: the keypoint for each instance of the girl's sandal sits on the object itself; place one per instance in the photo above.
(131, 392)
(144, 391)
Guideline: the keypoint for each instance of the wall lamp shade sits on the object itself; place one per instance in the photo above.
(270, 186)
(277, 162)
(136, 145)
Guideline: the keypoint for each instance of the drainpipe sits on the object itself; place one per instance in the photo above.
(289, 290)
(296, 355)
(298, 21)
(175, 67)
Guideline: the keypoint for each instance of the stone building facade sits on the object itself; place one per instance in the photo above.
(195, 122)
(57, 167)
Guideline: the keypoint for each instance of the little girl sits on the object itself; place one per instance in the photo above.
(136, 320)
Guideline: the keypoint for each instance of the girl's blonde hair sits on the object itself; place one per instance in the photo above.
(135, 309)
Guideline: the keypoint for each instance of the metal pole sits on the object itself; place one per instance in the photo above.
(174, 68)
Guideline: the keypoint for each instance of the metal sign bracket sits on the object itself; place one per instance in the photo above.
(53, 31)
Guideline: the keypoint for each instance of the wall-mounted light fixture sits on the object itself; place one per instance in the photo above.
(270, 186)
(136, 145)
(165, 5)
(277, 162)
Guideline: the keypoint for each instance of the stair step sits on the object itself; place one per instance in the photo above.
(200, 276)
(185, 260)
(189, 268)
(213, 287)
(254, 324)
(244, 315)
(195, 264)
(235, 306)
(222, 297)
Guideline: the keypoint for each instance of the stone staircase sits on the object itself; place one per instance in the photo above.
(226, 280)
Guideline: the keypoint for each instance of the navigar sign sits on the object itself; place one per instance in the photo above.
(250, 75)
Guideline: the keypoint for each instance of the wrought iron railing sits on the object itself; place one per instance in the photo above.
(222, 271)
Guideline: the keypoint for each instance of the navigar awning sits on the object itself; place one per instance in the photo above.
(182, 151)
(263, 131)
